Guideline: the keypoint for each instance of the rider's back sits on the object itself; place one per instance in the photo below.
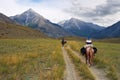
(88, 44)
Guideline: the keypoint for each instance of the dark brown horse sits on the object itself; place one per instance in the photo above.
(89, 55)
(63, 42)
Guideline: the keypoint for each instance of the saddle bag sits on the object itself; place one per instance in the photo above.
(95, 50)
(82, 50)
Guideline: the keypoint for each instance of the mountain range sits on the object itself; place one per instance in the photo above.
(71, 27)
(112, 31)
(36, 21)
(80, 28)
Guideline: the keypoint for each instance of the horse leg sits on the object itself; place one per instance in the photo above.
(86, 57)
(89, 60)
(92, 56)
(62, 44)
(92, 59)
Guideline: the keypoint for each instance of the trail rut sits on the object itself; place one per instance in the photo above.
(70, 73)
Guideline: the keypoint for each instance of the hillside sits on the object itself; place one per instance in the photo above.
(112, 31)
(18, 31)
(4, 18)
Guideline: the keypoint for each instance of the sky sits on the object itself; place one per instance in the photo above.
(101, 12)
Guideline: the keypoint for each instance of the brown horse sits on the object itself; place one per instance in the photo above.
(89, 55)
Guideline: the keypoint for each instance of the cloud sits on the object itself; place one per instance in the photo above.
(28, 1)
(109, 8)
(36, 0)
(98, 13)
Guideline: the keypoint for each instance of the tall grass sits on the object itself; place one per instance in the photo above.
(75, 45)
(107, 58)
(26, 59)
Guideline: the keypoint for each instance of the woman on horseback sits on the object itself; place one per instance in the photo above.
(89, 51)
(88, 43)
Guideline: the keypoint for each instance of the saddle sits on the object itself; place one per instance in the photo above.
(83, 50)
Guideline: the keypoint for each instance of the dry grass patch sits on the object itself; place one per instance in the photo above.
(26, 59)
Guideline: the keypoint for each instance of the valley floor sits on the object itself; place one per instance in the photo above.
(44, 59)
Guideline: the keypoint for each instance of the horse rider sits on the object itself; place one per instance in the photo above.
(88, 43)
(63, 41)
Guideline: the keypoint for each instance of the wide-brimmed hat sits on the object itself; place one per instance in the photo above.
(89, 41)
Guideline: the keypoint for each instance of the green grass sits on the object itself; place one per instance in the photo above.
(107, 58)
(27, 59)
(111, 40)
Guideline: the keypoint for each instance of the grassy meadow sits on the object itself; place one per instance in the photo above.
(107, 57)
(31, 59)
(42, 59)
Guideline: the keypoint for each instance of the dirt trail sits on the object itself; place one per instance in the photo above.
(70, 73)
(97, 73)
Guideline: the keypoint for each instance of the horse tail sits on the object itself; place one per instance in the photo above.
(91, 52)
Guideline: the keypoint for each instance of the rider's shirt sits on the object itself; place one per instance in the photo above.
(88, 45)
